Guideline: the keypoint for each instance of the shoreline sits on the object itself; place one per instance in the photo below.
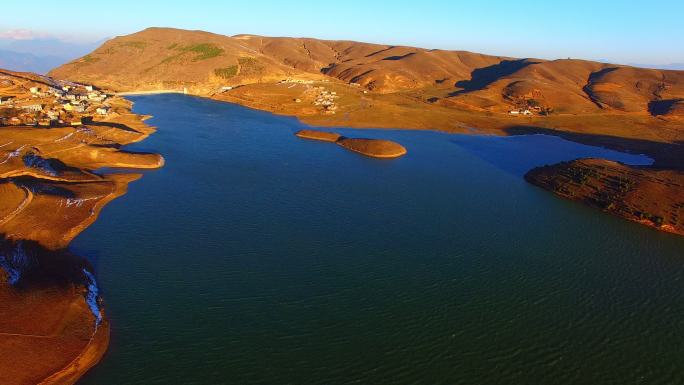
(92, 354)
(650, 149)
(664, 154)
(97, 345)
(152, 92)
(54, 169)
(98, 342)
(471, 123)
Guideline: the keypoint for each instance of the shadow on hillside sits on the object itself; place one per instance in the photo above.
(593, 77)
(482, 77)
(31, 266)
(399, 57)
(662, 107)
(381, 51)
(115, 146)
(113, 125)
(51, 166)
(664, 155)
(40, 187)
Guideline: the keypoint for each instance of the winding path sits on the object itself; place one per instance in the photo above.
(22, 205)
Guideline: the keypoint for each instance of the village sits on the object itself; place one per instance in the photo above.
(324, 99)
(529, 107)
(318, 95)
(52, 104)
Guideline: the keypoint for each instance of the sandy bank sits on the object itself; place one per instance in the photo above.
(319, 135)
(151, 92)
(89, 357)
(376, 148)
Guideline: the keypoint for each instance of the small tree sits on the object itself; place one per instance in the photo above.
(533, 103)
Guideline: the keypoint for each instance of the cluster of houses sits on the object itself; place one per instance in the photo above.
(295, 81)
(358, 85)
(326, 100)
(520, 111)
(68, 104)
(527, 111)
(528, 107)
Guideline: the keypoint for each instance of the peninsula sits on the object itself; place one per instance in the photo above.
(55, 136)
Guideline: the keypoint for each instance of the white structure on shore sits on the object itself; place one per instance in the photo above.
(520, 112)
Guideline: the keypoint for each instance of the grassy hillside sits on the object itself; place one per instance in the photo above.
(164, 58)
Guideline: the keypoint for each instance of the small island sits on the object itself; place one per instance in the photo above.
(375, 148)
(319, 135)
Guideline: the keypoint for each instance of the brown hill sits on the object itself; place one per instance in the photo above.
(202, 62)
(162, 57)
(557, 85)
(632, 89)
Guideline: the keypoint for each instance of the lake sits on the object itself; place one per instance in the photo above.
(256, 257)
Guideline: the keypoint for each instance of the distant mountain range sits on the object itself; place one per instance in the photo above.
(26, 62)
(672, 66)
(40, 55)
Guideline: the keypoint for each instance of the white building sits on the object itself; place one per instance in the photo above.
(33, 107)
(520, 112)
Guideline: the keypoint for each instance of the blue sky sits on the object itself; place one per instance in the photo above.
(619, 31)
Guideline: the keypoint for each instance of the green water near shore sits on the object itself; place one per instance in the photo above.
(255, 257)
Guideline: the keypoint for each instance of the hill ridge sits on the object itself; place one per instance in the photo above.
(203, 62)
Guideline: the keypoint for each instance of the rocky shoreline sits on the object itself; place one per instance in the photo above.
(646, 195)
(668, 156)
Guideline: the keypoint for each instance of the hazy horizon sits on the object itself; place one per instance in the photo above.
(610, 31)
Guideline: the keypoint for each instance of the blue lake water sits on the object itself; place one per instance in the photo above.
(256, 257)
